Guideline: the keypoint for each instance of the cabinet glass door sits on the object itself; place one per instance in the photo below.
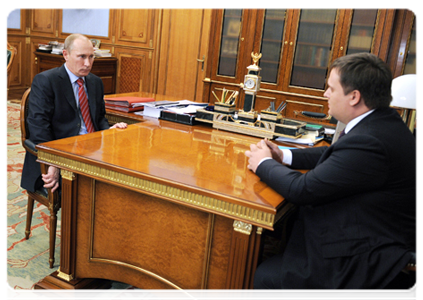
(313, 49)
(271, 45)
(410, 60)
(229, 47)
(362, 31)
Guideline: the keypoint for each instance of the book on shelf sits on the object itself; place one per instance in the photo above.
(102, 53)
(128, 101)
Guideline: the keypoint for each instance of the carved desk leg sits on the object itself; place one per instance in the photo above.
(62, 284)
(244, 254)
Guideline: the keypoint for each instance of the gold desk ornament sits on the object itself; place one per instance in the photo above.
(268, 124)
(256, 57)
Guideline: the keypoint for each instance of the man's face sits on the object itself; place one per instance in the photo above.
(80, 59)
(338, 102)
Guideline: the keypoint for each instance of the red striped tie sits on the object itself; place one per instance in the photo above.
(83, 104)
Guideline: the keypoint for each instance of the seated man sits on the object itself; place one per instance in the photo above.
(64, 101)
(356, 225)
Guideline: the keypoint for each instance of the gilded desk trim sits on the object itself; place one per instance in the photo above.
(214, 205)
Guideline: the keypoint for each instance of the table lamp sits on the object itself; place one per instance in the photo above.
(406, 94)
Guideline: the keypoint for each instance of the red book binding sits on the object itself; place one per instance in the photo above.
(127, 101)
(124, 108)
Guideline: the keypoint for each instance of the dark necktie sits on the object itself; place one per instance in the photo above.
(83, 104)
(341, 134)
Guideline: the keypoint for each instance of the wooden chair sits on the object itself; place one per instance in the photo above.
(43, 195)
(413, 269)
(11, 53)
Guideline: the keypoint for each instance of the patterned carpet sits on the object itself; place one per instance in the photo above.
(27, 260)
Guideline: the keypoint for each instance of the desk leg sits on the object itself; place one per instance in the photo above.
(245, 247)
(62, 284)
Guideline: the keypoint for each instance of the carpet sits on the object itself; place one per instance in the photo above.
(26, 261)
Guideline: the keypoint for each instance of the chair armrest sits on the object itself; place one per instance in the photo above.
(414, 263)
(30, 145)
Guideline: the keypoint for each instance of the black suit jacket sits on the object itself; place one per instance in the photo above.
(356, 222)
(53, 114)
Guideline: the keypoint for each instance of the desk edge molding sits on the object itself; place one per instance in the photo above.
(203, 202)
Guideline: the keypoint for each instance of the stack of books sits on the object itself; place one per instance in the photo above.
(102, 53)
(127, 104)
(44, 48)
(57, 48)
(53, 47)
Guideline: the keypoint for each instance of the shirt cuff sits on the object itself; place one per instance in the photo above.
(266, 158)
(287, 157)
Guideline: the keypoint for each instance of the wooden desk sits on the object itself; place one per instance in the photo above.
(103, 67)
(160, 205)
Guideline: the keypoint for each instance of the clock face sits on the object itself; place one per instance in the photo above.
(250, 83)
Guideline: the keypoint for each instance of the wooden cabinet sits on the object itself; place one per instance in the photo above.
(134, 70)
(183, 53)
(135, 27)
(157, 50)
(43, 22)
(18, 63)
(297, 49)
(104, 67)
(402, 58)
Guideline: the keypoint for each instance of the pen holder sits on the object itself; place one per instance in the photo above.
(224, 107)
(270, 116)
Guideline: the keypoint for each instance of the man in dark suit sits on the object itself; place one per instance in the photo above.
(54, 107)
(356, 206)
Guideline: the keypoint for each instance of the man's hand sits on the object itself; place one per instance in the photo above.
(51, 179)
(256, 154)
(120, 125)
(277, 153)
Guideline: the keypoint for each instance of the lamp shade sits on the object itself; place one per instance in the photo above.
(404, 91)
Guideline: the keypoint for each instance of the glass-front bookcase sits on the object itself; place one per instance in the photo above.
(272, 43)
(410, 59)
(297, 47)
(362, 31)
(229, 45)
(314, 45)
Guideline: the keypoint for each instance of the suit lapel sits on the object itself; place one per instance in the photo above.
(67, 87)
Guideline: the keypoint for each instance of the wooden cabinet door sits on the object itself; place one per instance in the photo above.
(310, 50)
(183, 50)
(43, 22)
(134, 70)
(410, 64)
(135, 27)
(365, 30)
(16, 73)
(232, 38)
(271, 35)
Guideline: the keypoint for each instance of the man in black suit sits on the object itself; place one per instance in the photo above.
(356, 206)
(54, 107)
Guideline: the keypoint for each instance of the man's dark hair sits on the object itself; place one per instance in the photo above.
(368, 74)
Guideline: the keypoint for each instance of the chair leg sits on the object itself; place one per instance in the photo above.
(29, 210)
(53, 225)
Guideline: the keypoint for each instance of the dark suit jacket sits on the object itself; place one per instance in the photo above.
(356, 221)
(53, 114)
